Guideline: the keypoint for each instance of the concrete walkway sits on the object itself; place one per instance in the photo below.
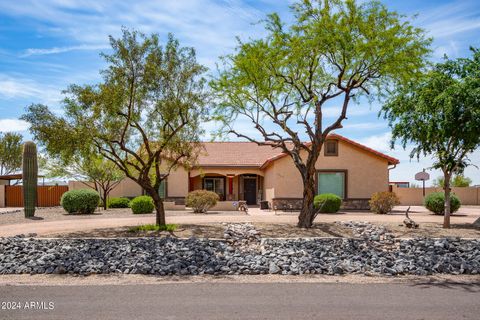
(420, 214)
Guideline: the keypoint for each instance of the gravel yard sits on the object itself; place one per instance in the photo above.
(373, 251)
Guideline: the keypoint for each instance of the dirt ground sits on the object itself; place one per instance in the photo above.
(284, 230)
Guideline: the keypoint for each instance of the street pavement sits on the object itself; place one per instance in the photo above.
(304, 301)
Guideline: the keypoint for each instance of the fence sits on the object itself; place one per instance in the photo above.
(47, 196)
(414, 196)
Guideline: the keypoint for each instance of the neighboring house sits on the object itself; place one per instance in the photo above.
(246, 171)
(400, 184)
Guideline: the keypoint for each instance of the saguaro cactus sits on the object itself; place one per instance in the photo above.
(30, 177)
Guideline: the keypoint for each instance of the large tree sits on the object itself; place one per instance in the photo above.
(144, 116)
(440, 116)
(10, 152)
(332, 52)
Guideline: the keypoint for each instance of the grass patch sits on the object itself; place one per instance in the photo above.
(154, 227)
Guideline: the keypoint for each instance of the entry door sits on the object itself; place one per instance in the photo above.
(250, 188)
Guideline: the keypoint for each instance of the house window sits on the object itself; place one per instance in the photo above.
(331, 148)
(332, 182)
(162, 189)
(216, 185)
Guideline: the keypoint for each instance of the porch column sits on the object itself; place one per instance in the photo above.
(230, 186)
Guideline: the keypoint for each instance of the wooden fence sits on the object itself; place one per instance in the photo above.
(47, 196)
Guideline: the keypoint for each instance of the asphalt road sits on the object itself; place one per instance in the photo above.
(246, 301)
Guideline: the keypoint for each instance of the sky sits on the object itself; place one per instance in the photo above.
(45, 45)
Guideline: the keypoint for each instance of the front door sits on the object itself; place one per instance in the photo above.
(250, 189)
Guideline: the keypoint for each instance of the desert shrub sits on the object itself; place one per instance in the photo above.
(383, 202)
(142, 204)
(327, 202)
(154, 227)
(201, 200)
(80, 201)
(118, 202)
(435, 202)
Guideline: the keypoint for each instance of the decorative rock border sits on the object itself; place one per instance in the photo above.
(243, 252)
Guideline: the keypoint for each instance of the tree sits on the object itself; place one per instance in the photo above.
(458, 180)
(10, 152)
(144, 116)
(94, 171)
(333, 52)
(440, 115)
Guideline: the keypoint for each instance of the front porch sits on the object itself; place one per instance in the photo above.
(230, 187)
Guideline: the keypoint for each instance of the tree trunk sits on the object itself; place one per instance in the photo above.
(307, 213)
(159, 209)
(104, 199)
(446, 217)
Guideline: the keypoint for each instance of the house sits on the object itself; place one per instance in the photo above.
(246, 171)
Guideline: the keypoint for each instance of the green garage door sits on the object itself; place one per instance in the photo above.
(332, 182)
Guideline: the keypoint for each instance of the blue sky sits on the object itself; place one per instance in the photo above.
(45, 45)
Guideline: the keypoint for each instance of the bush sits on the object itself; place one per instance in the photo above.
(327, 202)
(154, 227)
(118, 203)
(383, 202)
(435, 202)
(142, 204)
(80, 201)
(201, 200)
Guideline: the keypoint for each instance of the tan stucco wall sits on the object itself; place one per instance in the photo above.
(177, 183)
(366, 173)
(414, 196)
(2, 196)
(126, 188)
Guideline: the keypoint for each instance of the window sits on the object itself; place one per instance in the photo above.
(331, 148)
(161, 189)
(216, 185)
(332, 182)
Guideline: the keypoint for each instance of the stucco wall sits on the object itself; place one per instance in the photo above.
(2, 196)
(366, 173)
(126, 188)
(414, 196)
(177, 183)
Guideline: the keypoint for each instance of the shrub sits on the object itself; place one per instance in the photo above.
(201, 200)
(80, 201)
(327, 202)
(435, 202)
(142, 204)
(383, 202)
(118, 202)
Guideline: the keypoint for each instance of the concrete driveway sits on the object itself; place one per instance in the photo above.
(467, 214)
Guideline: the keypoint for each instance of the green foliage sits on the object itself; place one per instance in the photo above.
(435, 202)
(154, 227)
(458, 180)
(83, 201)
(383, 202)
(147, 108)
(142, 204)
(331, 51)
(118, 203)
(30, 178)
(327, 202)
(10, 152)
(439, 114)
(201, 200)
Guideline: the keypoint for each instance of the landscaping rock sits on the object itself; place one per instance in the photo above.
(243, 252)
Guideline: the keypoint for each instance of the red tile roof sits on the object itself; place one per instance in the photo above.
(249, 154)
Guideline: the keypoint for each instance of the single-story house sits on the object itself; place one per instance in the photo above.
(246, 171)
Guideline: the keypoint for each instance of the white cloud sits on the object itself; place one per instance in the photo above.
(54, 50)
(22, 87)
(11, 125)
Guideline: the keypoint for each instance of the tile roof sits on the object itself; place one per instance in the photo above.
(249, 154)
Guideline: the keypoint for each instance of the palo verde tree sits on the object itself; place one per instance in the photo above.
(440, 115)
(92, 170)
(334, 51)
(10, 152)
(144, 116)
